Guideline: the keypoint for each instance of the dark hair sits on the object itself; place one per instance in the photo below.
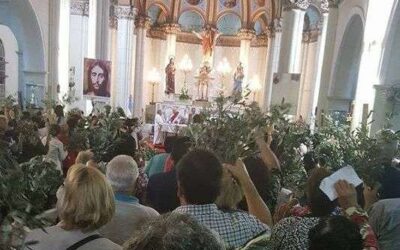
(319, 203)
(59, 111)
(197, 118)
(199, 175)
(103, 91)
(180, 148)
(169, 143)
(335, 232)
(54, 130)
(173, 231)
(309, 161)
(261, 177)
(390, 183)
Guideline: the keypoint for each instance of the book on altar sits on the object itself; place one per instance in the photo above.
(346, 173)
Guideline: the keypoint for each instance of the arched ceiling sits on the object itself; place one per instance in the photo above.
(227, 15)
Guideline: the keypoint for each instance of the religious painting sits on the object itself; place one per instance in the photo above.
(97, 78)
(194, 2)
(229, 3)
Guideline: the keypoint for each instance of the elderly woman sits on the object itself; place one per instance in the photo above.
(87, 203)
(122, 173)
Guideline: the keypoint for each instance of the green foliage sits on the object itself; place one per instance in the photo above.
(27, 190)
(228, 129)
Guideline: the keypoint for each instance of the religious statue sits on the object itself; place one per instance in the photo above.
(209, 38)
(204, 78)
(238, 77)
(170, 77)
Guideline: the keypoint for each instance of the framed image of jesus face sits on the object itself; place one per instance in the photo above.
(97, 77)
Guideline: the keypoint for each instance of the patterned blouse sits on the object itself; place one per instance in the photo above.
(292, 233)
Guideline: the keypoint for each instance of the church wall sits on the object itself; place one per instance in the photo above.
(41, 8)
(347, 9)
(258, 66)
(11, 48)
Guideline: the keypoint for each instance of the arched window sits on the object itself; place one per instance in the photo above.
(2, 70)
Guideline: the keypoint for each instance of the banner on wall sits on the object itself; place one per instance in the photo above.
(97, 78)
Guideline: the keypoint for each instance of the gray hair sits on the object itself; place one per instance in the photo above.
(122, 172)
(173, 231)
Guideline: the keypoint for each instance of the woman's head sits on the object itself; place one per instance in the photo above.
(88, 202)
(389, 183)
(319, 203)
(98, 78)
(335, 232)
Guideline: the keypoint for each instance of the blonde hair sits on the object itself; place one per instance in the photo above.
(88, 202)
(231, 193)
(84, 156)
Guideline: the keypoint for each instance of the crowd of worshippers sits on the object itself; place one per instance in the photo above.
(186, 198)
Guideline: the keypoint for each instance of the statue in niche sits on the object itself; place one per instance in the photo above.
(193, 2)
(204, 78)
(238, 77)
(170, 77)
(230, 3)
(209, 38)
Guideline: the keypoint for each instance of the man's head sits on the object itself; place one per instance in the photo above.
(159, 112)
(173, 231)
(180, 147)
(122, 173)
(199, 175)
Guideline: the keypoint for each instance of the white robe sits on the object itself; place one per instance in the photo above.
(158, 134)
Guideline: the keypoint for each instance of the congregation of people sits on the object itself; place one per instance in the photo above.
(186, 198)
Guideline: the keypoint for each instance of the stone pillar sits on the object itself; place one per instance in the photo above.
(63, 49)
(274, 45)
(92, 28)
(102, 29)
(113, 50)
(292, 33)
(52, 80)
(142, 24)
(245, 35)
(126, 48)
(319, 64)
(327, 61)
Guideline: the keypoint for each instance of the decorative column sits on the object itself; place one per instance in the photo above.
(245, 35)
(293, 22)
(274, 46)
(126, 48)
(113, 50)
(327, 61)
(319, 61)
(92, 28)
(63, 49)
(52, 80)
(102, 29)
(142, 24)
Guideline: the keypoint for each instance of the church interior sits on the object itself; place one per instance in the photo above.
(322, 56)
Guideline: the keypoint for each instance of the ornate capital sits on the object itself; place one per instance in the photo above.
(295, 4)
(325, 6)
(311, 36)
(125, 12)
(260, 41)
(142, 22)
(79, 7)
(171, 28)
(276, 26)
(246, 34)
(113, 18)
(334, 3)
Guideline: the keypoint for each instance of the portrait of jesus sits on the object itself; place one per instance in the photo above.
(97, 78)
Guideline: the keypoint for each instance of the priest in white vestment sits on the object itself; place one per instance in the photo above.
(158, 134)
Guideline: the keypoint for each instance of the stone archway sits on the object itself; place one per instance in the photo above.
(345, 77)
(20, 17)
